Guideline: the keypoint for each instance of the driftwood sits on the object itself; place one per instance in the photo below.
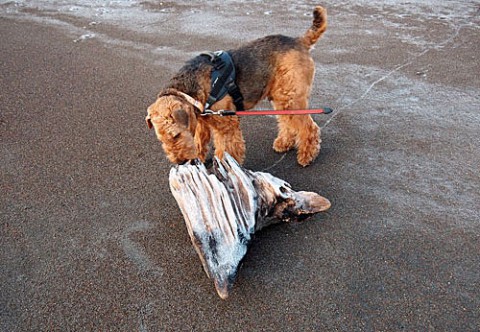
(225, 205)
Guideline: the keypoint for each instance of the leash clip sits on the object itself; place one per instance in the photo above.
(209, 112)
(220, 112)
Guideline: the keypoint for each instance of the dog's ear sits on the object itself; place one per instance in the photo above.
(148, 120)
(181, 117)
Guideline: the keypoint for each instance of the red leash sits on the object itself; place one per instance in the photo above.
(325, 110)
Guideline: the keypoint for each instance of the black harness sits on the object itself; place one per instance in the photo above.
(223, 80)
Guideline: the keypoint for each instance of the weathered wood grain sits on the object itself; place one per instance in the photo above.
(225, 205)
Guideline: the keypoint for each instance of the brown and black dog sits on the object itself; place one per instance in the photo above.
(276, 67)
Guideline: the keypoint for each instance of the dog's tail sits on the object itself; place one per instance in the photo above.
(318, 27)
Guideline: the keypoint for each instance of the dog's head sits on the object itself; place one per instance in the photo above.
(174, 121)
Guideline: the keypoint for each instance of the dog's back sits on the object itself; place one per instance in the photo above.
(255, 62)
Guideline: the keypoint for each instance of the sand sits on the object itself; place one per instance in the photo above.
(91, 237)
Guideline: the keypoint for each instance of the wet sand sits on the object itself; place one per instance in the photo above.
(91, 238)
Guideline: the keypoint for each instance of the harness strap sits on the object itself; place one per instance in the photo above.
(236, 95)
(223, 80)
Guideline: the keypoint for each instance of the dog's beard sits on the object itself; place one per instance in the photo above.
(181, 150)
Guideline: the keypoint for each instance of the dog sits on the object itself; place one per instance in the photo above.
(275, 67)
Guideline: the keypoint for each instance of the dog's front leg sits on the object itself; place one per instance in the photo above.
(202, 139)
(227, 137)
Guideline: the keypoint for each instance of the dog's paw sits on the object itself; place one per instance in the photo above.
(281, 144)
(306, 156)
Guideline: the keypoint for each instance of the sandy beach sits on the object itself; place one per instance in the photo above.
(91, 238)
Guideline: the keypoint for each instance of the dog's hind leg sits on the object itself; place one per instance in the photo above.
(285, 140)
(308, 139)
(303, 133)
(291, 91)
